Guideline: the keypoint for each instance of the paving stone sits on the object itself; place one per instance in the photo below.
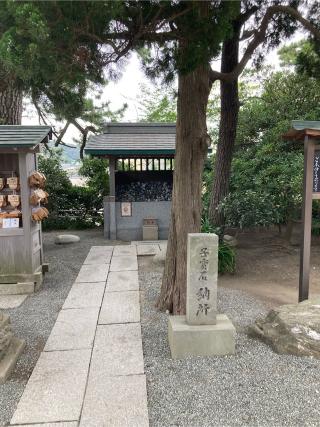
(144, 250)
(67, 424)
(11, 301)
(123, 263)
(115, 402)
(84, 295)
(124, 250)
(120, 307)
(55, 389)
(117, 351)
(74, 329)
(93, 273)
(122, 281)
(95, 257)
(101, 249)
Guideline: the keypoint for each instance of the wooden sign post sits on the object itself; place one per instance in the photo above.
(309, 133)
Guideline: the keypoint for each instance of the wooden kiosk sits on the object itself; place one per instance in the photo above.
(21, 255)
(307, 132)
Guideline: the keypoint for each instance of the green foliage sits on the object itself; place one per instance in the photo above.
(95, 170)
(226, 254)
(157, 105)
(266, 179)
(226, 258)
(70, 207)
(58, 184)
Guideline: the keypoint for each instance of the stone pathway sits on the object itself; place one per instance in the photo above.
(148, 247)
(91, 372)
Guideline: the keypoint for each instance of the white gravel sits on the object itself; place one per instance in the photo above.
(256, 387)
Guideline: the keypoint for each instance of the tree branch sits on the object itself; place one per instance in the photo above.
(259, 38)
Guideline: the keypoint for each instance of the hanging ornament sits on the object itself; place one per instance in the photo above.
(37, 179)
(3, 201)
(14, 200)
(13, 182)
(39, 196)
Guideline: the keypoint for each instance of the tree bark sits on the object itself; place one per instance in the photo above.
(192, 142)
(229, 100)
(10, 100)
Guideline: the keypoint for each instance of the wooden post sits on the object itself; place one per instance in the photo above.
(112, 183)
(309, 148)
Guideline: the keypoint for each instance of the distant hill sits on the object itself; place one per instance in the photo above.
(70, 156)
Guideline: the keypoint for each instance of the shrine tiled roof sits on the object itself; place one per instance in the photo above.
(134, 139)
(19, 136)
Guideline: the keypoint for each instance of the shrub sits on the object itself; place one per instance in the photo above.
(226, 254)
(70, 207)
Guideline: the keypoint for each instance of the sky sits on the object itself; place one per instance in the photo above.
(128, 88)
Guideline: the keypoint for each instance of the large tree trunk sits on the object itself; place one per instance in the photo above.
(192, 143)
(227, 131)
(10, 100)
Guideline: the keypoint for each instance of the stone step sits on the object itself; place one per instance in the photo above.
(17, 288)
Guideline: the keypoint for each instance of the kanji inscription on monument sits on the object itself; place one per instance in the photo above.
(202, 272)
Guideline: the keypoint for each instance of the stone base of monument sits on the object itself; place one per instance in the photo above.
(10, 348)
(201, 340)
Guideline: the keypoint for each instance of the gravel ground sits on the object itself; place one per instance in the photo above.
(34, 319)
(256, 387)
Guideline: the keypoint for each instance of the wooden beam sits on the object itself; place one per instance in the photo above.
(309, 148)
(112, 184)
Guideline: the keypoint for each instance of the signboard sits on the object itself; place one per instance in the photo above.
(316, 172)
(10, 223)
(126, 209)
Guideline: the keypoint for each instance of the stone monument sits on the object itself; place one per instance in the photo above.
(202, 332)
(10, 348)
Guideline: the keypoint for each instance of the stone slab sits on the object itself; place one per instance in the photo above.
(16, 288)
(119, 281)
(117, 351)
(83, 295)
(202, 276)
(124, 250)
(93, 273)
(124, 263)
(201, 340)
(115, 402)
(120, 307)
(11, 301)
(67, 424)
(74, 329)
(55, 390)
(8, 362)
(95, 257)
(145, 250)
(101, 249)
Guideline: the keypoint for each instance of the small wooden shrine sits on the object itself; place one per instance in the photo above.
(21, 211)
(141, 167)
(307, 132)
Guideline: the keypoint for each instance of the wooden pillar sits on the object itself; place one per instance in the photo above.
(112, 181)
(309, 148)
